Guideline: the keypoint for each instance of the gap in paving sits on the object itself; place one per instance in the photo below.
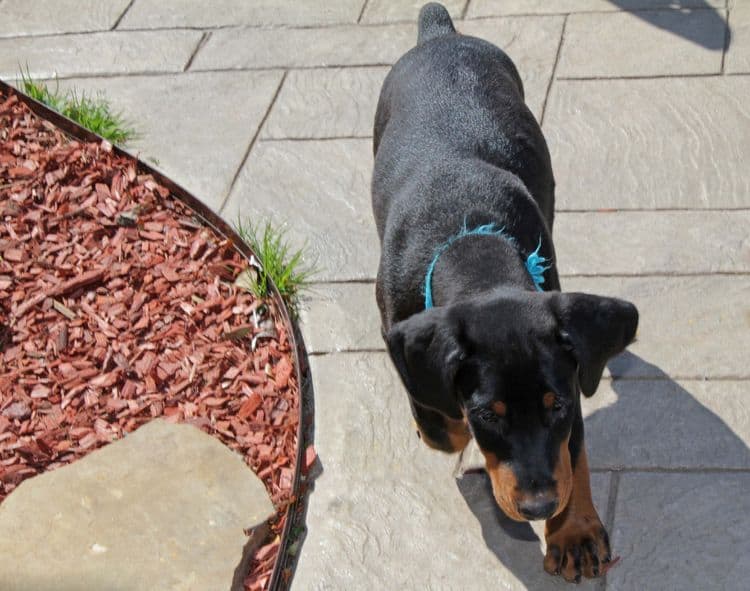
(745, 274)
(201, 42)
(119, 18)
(553, 75)
(252, 142)
(106, 74)
(362, 11)
(727, 36)
(609, 515)
(649, 378)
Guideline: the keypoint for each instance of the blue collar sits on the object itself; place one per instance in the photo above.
(534, 261)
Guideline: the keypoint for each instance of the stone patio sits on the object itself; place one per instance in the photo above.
(264, 108)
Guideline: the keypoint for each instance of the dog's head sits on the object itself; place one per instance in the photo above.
(512, 366)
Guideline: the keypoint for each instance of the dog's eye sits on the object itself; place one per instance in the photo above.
(554, 403)
(560, 407)
(487, 416)
(564, 340)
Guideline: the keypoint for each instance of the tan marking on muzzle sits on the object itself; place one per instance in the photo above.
(505, 484)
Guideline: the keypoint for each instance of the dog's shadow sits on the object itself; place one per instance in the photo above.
(696, 21)
(678, 415)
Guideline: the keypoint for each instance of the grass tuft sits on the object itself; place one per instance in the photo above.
(93, 113)
(279, 263)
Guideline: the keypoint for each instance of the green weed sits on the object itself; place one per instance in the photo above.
(279, 262)
(93, 113)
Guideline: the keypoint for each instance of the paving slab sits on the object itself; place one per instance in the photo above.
(662, 424)
(341, 317)
(604, 135)
(163, 508)
(21, 17)
(651, 242)
(532, 43)
(341, 102)
(199, 135)
(321, 189)
(326, 103)
(182, 13)
(98, 53)
(682, 531)
(309, 47)
(690, 327)
(649, 43)
(683, 424)
(737, 59)
(679, 320)
(385, 11)
(482, 8)
(385, 506)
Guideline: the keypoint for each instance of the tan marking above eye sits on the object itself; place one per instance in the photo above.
(548, 400)
(499, 408)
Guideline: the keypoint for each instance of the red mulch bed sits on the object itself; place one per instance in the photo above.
(117, 305)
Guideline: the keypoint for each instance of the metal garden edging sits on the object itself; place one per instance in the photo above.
(217, 224)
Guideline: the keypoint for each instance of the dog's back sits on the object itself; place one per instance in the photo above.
(452, 136)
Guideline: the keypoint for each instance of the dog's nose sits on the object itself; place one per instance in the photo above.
(539, 506)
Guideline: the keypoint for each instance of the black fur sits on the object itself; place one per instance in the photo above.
(454, 143)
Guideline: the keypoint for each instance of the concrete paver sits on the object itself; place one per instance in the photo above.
(704, 242)
(738, 52)
(682, 531)
(348, 45)
(483, 8)
(219, 113)
(21, 17)
(321, 190)
(341, 317)
(650, 144)
(683, 424)
(325, 103)
(97, 53)
(680, 318)
(646, 44)
(181, 13)
(125, 517)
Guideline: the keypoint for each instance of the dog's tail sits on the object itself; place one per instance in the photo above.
(434, 21)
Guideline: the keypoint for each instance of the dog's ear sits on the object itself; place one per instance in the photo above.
(595, 328)
(426, 351)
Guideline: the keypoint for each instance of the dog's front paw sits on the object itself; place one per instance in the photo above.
(577, 545)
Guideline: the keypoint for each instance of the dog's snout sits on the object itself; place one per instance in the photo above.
(538, 506)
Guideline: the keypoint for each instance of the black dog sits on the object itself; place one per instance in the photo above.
(485, 343)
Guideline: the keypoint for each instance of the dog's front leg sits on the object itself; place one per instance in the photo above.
(577, 543)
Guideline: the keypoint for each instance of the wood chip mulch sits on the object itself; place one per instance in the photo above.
(118, 306)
